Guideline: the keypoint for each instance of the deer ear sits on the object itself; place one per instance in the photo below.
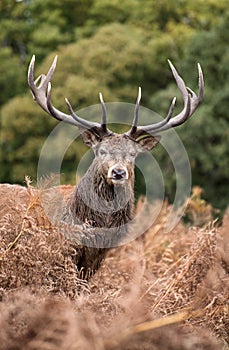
(89, 138)
(148, 143)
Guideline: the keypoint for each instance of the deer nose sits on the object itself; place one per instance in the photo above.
(118, 173)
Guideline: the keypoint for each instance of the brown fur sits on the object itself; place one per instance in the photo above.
(106, 208)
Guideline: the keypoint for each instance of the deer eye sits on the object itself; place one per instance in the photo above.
(133, 154)
(102, 152)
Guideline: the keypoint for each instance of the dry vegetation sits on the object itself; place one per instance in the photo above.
(162, 291)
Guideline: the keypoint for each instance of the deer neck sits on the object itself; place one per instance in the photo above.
(101, 204)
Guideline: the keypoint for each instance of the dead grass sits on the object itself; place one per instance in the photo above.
(162, 291)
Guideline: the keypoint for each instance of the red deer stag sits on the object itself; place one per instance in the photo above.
(102, 203)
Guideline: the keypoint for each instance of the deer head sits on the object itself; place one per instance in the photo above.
(116, 153)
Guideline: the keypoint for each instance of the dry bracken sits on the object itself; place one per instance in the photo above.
(165, 290)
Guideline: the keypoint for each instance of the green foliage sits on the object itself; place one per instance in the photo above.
(15, 27)
(207, 141)
(12, 75)
(24, 131)
(114, 47)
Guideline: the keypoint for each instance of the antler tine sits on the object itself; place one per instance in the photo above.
(201, 83)
(191, 102)
(196, 99)
(39, 92)
(136, 109)
(42, 94)
(31, 74)
(104, 112)
(150, 128)
(79, 121)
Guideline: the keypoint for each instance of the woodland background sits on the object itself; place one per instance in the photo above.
(114, 46)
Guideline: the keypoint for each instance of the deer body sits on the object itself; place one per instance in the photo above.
(103, 202)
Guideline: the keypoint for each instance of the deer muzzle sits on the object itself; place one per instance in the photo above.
(118, 174)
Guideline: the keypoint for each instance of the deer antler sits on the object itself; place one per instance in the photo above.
(191, 102)
(41, 91)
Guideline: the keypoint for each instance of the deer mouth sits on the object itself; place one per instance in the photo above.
(117, 174)
(117, 182)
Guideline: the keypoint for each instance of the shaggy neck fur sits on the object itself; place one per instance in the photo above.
(101, 203)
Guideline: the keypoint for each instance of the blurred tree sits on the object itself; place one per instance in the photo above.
(211, 153)
(12, 75)
(114, 47)
(157, 15)
(19, 151)
(29, 24)
(55, 24)
(33, 26)
(109, 59)
(41, 26)
(14, 27)
(208, 141)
